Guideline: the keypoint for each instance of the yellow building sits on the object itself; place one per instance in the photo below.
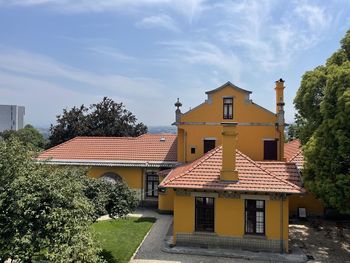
(260, 131)
(226, 176)
(136, 161)
(225, 199)
(234, 185)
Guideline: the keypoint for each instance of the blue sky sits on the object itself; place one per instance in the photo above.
(55, 54)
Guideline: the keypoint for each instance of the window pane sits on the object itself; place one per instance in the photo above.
(255, 216)
(226, 110)
(199, 200)
(259, 204)
(210, 201)
(249, 223)
(204, 214)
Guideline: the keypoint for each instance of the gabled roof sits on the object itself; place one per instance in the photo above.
(228, 84)
(293, 153)
(204, 173)
(145, 150)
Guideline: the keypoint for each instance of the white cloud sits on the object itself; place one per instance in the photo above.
(205, 53)
(46, 86)
(112, 53)
(271, 36)
(314, 15)
(159, 21)
(43, 67)
(188, 8)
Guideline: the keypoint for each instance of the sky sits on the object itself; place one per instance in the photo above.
(56, 54)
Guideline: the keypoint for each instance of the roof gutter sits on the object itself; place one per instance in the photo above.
(117, 163)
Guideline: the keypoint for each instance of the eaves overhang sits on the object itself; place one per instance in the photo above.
(110, 163)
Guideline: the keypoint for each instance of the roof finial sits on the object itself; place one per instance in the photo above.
(178, 104)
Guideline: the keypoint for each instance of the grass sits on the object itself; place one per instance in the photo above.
(120, 238)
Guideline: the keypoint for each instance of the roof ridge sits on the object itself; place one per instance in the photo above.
(106, 137)
(230, 84)
(195, 163)
(294, 156)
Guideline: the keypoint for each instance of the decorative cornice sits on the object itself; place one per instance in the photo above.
(219, 123)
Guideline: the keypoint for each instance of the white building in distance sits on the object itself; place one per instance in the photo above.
(11, 117)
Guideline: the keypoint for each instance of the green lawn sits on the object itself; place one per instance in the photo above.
(120, 238)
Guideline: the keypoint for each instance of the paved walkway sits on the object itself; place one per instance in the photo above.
(151, 249)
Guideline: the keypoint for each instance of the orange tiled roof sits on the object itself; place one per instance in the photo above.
(157, 148)
(287, 171)
(293, 153)
(204, 174)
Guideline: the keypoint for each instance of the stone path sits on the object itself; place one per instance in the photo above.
(151, 249)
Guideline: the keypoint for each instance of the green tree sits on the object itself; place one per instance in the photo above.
(323, 119)
(106, 118)
(28, 135)
(293, 132)
(43, 211)
(114, 199)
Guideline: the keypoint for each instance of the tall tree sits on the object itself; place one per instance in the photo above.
(323, 119)
(43, 211)
(106, 118)
(28, 135)
(293, 132)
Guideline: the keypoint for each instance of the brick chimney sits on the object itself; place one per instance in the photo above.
(279, 95)
(229, 136)
(280, 116)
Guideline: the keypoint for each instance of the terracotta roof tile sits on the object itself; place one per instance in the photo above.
(147, 147)
(287, 171)
(204, 174)
(293, 153)
(291, 148)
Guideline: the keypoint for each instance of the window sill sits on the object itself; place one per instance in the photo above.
(252, 236)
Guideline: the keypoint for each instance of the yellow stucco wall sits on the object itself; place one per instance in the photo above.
(250, 138)
(243, 111)
(133, 177)
(314, 207)
(166, 201)
(273, 220)
(183, 214)
(230, 216)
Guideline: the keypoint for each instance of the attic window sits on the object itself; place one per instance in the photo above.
(228, 108)
(162, 139)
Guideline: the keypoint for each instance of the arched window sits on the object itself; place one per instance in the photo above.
(111, 177)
